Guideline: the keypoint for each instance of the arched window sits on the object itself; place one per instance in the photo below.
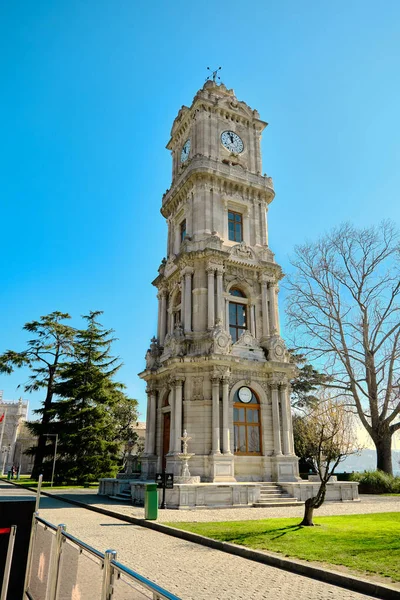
(246, 422)
(237, 314)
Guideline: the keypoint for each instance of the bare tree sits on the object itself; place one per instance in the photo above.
(344, 308)
(328, 435)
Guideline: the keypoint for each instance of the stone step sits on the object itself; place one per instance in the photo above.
(126, 496)
(276, 503)
(277, 495)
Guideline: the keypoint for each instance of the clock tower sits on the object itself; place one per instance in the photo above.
(218, 367)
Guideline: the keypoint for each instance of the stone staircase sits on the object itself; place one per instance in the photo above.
(124, 495)
(273, 494)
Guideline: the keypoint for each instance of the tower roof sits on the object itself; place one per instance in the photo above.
(216, 97)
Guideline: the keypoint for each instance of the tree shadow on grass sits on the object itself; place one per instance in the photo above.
(286, 530)
(246, 537)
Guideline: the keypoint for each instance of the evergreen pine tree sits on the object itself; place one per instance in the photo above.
(83, 417)
(45, 354)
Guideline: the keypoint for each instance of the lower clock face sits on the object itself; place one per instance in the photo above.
(232, 141)
(245, 394)
(185, 151)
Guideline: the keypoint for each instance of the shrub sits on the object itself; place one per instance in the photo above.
(376, 482)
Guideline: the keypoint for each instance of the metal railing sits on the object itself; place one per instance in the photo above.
(62, 567)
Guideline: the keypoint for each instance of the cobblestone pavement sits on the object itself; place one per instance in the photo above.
(369, 504)
(188, 570)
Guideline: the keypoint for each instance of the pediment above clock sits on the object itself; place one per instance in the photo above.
(181, 115)
(239, 107)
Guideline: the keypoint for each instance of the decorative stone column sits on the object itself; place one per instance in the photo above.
(264, 309)
(221, 464)
(151, 425)
(147, 438)
(275, 419)
(170, 317)
(159, 318)
(215, 416)
(252, 320)
(285, 409)
(210, 297)
(149, 459)
(220, 299)
(172, 422)
(277, 321)
(188, 271)
(183, 296)
(226, 446)
(163, 317)
(173, 464)
(178, 413)
(290, 421)
(272, 301)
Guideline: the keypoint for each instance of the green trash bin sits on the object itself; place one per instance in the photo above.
(151, 501)
(9, 473)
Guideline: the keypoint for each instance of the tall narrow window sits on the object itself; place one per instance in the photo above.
(246, 424)
(176, 310)
(237, 315)
(235, 226)
(183, 230)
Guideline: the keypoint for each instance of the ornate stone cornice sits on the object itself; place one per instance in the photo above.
(187, 271)
(231, 180)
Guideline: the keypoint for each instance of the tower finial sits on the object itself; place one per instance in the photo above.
(214, 75)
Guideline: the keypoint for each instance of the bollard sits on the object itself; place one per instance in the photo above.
(151, 501)
(108, 574)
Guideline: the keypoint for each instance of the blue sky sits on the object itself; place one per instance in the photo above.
(89, 93)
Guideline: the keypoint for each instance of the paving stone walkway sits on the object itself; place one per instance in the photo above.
(189, 570)
(369, 504)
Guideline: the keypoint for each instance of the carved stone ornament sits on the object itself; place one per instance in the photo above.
(243, 251)
(169, 266)
(277, 350)
(175, 343)
(153, 355)
(248, 347)
(222, 341)
(197, 393)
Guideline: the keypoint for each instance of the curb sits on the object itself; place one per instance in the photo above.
(349, 582)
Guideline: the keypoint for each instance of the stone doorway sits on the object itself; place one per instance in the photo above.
(166, 434)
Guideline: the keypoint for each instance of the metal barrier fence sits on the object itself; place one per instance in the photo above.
(61, 567)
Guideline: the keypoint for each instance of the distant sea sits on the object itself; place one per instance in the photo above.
(367, 462)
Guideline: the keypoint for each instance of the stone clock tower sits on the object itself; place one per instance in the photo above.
(218, 367)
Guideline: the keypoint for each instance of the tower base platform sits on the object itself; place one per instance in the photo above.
(242, 494)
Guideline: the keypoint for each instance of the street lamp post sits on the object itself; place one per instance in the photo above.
(55, 455)
(5, 450)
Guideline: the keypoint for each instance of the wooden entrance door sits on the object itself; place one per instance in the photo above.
(167, 429)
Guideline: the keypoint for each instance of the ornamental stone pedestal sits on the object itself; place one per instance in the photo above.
(218, 367)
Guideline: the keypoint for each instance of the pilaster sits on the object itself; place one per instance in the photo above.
(275, 419)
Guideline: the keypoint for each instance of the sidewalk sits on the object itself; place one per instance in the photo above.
(190, 570)
(369, 504)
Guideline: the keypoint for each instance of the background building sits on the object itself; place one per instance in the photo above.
(14, 435)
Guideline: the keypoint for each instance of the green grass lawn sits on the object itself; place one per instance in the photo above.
(364, 543)
(27, 481)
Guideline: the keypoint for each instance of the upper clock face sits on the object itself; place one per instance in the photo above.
(185, 151)
(232, 141)
(245, 394)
